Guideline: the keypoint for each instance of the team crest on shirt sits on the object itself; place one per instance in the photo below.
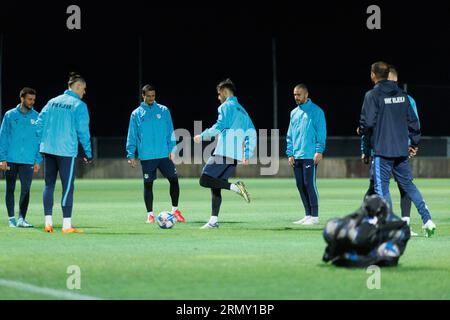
(33, 122)
(158, 115)
(146, 176)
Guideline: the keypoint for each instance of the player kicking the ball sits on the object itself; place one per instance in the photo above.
(236, 142)
(151, 134)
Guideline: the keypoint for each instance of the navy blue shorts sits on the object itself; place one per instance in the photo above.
(165, 166)
(220, 167)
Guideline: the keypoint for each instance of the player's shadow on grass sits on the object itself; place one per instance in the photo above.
(220, 222)
(90, 227)
(288, 229)
(406, 266)
(332, 267)
(95, 231)
(41, 227)
(147, 233)
(401, 267)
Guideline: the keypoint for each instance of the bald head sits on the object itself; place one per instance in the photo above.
(301, 94)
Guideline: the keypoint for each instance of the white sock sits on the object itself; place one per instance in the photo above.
(406, 219)
(213, 220)
(67, 223)
(49, 220)
(429, 223)
(235, 188)
(174, 209)
(150, 213)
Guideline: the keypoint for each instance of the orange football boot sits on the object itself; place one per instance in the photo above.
(150, 219)
(178, 216)
(71, 230)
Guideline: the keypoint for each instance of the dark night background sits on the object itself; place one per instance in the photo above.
(189, 47)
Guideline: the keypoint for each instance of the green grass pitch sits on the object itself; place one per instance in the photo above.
(256, 254)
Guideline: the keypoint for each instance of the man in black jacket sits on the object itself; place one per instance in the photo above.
(389, 120)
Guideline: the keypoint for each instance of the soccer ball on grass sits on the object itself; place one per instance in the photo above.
(166, 220)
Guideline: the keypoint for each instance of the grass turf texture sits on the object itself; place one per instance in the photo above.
(256, 254)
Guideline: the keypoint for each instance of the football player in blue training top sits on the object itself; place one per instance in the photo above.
(61, 124)
(19, 154)
(236, 141)
(305, 146)
(151, 134)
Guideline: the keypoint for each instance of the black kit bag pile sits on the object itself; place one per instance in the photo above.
(369, 236)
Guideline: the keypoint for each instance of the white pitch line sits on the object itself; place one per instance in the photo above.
(61, 294)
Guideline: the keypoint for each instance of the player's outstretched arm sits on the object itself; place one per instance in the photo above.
(220, 125)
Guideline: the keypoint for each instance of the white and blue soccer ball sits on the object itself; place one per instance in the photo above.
(166, 220)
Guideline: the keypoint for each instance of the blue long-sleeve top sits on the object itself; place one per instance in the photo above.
(235, 130)
(150, 133)
(307, 131)
(18, 140)
(62, 123)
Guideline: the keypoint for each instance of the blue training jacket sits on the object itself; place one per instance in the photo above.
(307, 131)
(235, 130)
(150, 132)
(18, 140)
(365, 140)
(62, 123)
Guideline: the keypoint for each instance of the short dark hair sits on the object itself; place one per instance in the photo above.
(147, 87)
(226, 84)
(75, 77)
(302, 86)
(381, 70)
(26, 91)
(393, 70)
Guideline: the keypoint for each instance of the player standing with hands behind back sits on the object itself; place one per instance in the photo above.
(61, 124)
